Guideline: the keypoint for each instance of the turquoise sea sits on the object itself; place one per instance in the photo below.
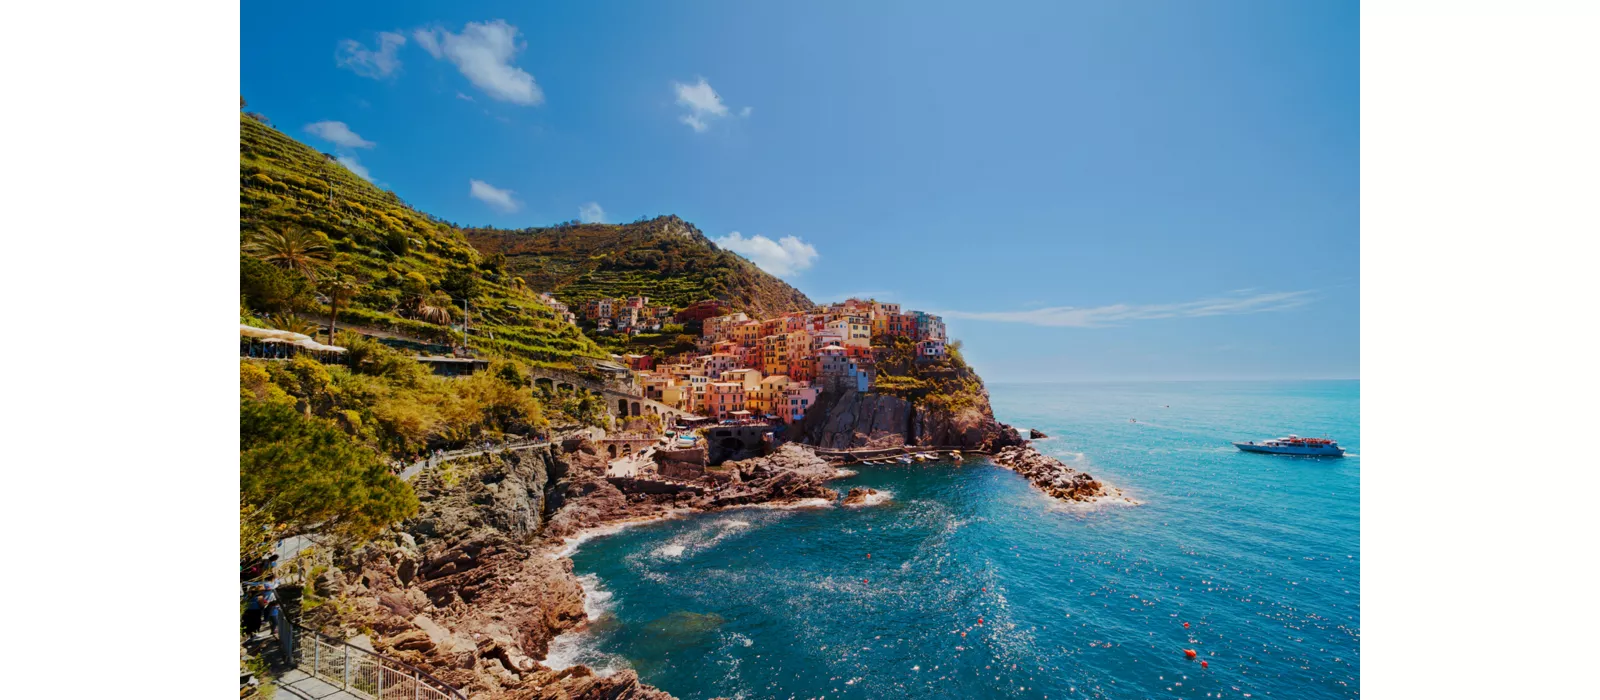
(969, 583)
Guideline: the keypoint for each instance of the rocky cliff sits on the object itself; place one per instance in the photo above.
(852, 419)
(473, 589)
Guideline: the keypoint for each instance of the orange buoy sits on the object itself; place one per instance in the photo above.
(863, 580)
(1189, 653)
(1204, 665)
(980, 619)
(869, 555)
(963, 634)
(1186, 625)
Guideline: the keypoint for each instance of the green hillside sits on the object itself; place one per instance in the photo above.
(665, 258)
(405, 272)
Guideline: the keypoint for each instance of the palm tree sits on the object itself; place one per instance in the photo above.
(295, 249)
(435, 308)
(292, 323)
(339, 290)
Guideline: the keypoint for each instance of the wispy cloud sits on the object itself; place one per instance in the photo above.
(494, 196)
(338, 134)
(349, 161)
(1115, 314)
(381, 63)
(784, 256)
(483, 52)
(591, 213)
(703, 102)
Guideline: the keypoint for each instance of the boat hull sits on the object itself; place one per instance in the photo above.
(1297, 450)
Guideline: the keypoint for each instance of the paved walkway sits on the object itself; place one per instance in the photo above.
(297, 684)
(629, 466)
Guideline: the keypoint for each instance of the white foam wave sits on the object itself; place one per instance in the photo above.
(873, 499)
(706, 536)
(578, 646)
(671, 551)
(575, 648)
(596, 600)
(791, 505)
(571, 544)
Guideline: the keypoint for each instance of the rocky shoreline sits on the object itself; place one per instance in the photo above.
(477, 585)
(475, 588)
(1056, 479)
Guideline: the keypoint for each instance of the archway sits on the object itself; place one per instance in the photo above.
(611, 450)
(622, 407)
(635, 408)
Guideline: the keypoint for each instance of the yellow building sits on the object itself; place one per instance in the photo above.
(750, 379)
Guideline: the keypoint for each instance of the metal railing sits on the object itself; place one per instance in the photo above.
(365, 673)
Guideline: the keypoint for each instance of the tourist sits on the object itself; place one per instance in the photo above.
(250, 621)
(259, 568)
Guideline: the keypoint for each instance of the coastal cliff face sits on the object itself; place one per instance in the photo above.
(468, 590)
(850, 419)
(474, 588)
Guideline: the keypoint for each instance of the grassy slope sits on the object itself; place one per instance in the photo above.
(379, 240)
(665, 258)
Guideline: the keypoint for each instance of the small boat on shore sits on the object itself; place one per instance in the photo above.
(1294, 445)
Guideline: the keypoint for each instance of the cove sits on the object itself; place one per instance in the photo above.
(968, 582)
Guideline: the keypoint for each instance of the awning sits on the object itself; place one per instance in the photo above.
(254, 332)
(272, 335)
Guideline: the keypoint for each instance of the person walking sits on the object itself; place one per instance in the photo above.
(250, 621)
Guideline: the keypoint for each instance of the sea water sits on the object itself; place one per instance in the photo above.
(966, 582)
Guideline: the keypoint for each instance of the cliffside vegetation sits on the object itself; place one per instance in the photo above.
(316, 440)
(318, 240)
(665, 258)
(947, 385)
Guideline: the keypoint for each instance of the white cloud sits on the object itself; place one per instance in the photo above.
(1072, 317)
(746, 111)
(339, 134)
(483, 53)
(348, 160)
(591, 213)
(464, 96)
(781, 257)
(363, 61)
(703, 102)
(493, 196)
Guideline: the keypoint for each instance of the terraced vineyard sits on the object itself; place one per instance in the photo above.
(665, 258)
(392, 254)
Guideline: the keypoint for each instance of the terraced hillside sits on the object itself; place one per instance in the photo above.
(405, 271)
(665, 258)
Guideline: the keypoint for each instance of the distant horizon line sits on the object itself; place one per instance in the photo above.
(1173, 381)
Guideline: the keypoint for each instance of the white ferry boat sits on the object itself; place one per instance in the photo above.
(1294, 445)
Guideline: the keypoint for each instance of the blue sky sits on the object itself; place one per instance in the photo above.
(1086, 190)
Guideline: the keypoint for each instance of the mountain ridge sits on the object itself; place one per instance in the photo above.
(665, 258)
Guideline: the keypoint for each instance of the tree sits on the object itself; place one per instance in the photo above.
(462, 284)
(293, 249)
(269, 289)
(339, 290)
(300, 475)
